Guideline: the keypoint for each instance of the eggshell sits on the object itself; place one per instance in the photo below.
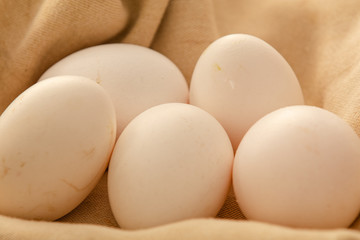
(299, 166)
(135, 77)
(238, 79)
(55, 142)
(172, 162)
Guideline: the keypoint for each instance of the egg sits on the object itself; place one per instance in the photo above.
(299, 166)
(172, 162)
(135, 77)
(55, 143)
(238, 79)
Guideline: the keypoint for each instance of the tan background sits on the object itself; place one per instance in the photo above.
(319, 38)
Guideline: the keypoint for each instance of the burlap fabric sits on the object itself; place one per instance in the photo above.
(319, 38)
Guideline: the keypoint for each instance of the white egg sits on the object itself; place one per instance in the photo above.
(172, 162)
(238, 79)
(55, 143)
(135, 77)
(299, 166)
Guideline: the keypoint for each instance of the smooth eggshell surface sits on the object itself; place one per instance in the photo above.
(238, 79)
(299, 166)
(135, 77)
(55, 143)
(172, 162)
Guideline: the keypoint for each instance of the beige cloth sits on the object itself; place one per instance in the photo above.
(319, 38)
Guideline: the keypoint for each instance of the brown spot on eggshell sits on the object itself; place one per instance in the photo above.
(309, 147)
(71, 185)
(51, 194)
(34, 209)
(51, 208)
(112, 133)
(98, 79)
(305, 130)
(312, 149)
(217, 67)
(29, 188)
(89, 152)
(4, 172)
(5, 169)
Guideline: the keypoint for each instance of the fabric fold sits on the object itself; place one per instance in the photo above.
(53, 30)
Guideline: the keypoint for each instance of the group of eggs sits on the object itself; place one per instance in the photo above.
(172, 154)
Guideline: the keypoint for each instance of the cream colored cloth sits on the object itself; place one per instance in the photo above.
(320, 40)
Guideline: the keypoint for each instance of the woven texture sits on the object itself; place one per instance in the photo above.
(320, 40)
